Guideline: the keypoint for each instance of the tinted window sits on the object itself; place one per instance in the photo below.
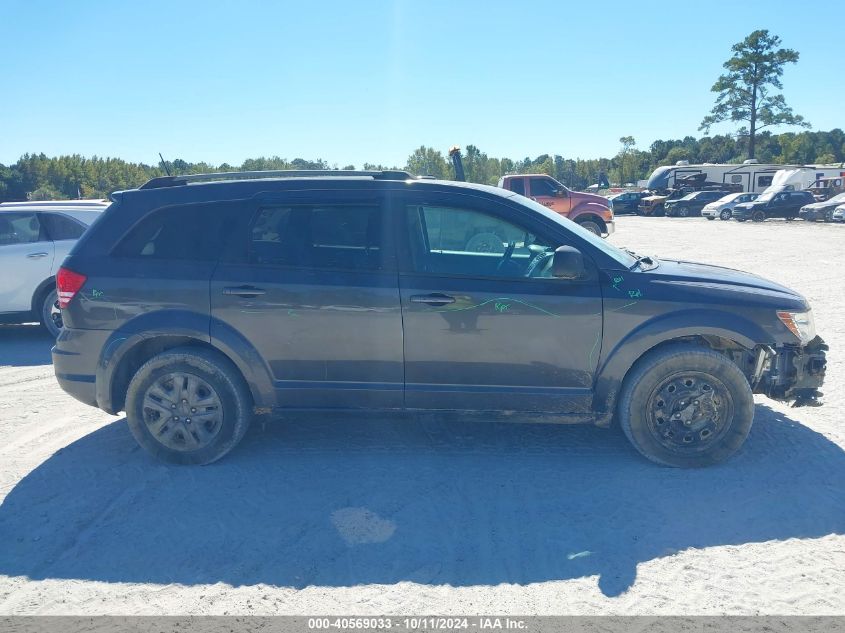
(543, 187)
(342, 236)
(518, 186)
(764, 181)
(61, 227)
(736, 178)
(189, 232)
(20, 228)
(467, 242)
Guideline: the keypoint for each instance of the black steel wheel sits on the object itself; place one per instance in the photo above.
(685, 406)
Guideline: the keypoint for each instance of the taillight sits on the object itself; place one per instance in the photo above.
(68, 283)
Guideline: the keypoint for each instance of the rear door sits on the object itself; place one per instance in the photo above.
(486, 326)
(26, 258)
(63, 231)
(314, 292)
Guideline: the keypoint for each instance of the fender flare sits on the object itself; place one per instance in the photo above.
(615, 365)
(174, 324)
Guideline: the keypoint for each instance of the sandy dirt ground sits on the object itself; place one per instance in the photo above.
(399, 516)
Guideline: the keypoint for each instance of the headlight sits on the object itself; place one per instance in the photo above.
(801, 324)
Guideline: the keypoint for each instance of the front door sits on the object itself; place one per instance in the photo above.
(546, 191)
(317, 297)
(486, 326)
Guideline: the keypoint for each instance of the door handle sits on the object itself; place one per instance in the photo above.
(36, 255)
(244, 291)
(434, 299)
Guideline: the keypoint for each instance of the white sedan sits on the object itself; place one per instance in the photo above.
(35, 237)
(723, 207)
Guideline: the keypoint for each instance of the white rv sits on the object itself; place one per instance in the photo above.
(751, 175)
(798, 178)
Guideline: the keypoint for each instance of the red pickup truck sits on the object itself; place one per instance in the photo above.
(593, 212)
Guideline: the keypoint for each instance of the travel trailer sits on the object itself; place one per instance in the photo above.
(750, 175)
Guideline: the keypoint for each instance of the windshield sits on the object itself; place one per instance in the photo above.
(840, 197)
(601, 244)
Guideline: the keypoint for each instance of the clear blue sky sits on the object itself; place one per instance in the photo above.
(369, 81)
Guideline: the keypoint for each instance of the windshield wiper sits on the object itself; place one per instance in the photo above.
(640, 259)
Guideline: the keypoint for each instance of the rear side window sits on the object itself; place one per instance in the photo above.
(518, 186)
(188, 232)
(337, 236)
(60, 227)
(20, 228)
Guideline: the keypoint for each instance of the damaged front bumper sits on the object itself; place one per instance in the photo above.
(791, 373)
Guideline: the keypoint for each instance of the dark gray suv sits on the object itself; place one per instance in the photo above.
(199, 302)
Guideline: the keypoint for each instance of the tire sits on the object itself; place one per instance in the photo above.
(49, 313)
(683, 212)
(710, 217)
(758, 216)
(725, 214)
(211, 382)
(647, 409)
(591, 226)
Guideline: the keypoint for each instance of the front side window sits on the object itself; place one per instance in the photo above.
(20, 228)
(337, 236)
(450, 240)
(543, 187)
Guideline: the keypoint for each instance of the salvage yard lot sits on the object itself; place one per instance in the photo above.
(329, 515)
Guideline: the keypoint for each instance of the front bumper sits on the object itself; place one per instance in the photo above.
(792, 373)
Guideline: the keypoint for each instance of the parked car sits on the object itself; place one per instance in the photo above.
(773, 204)
(626, 202)
(822, 210)
(592, 212)
(723, 207)
(374, 291)
(692, 203)
(34, 239)
(839, 213)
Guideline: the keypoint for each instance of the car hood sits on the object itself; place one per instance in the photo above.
(709, 278)
(821, 206)
(588, 197)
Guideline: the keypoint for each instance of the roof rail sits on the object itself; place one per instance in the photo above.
(176, 181)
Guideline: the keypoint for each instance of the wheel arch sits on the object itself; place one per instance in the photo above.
(37, 296)
(731, 335)
(127, 349)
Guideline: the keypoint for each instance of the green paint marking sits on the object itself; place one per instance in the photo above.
(635, 294)
(593, 351)
(627, 305)
(96, 293)
(505, 301)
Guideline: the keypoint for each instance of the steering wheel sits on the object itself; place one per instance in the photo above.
(540, 264)
(506, 257)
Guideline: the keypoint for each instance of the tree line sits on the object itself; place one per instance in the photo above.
(39, 177)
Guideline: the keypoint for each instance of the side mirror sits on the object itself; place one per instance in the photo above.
(568, 263)
(561, 193)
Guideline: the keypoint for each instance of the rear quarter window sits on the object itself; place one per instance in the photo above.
(60, 227)
(186, 232)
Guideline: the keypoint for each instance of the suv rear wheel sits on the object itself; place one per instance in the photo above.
(686, 406)
(51, 315)
(188, 406)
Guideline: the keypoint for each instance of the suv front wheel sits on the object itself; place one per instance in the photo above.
(188, 406)
(686, 406)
